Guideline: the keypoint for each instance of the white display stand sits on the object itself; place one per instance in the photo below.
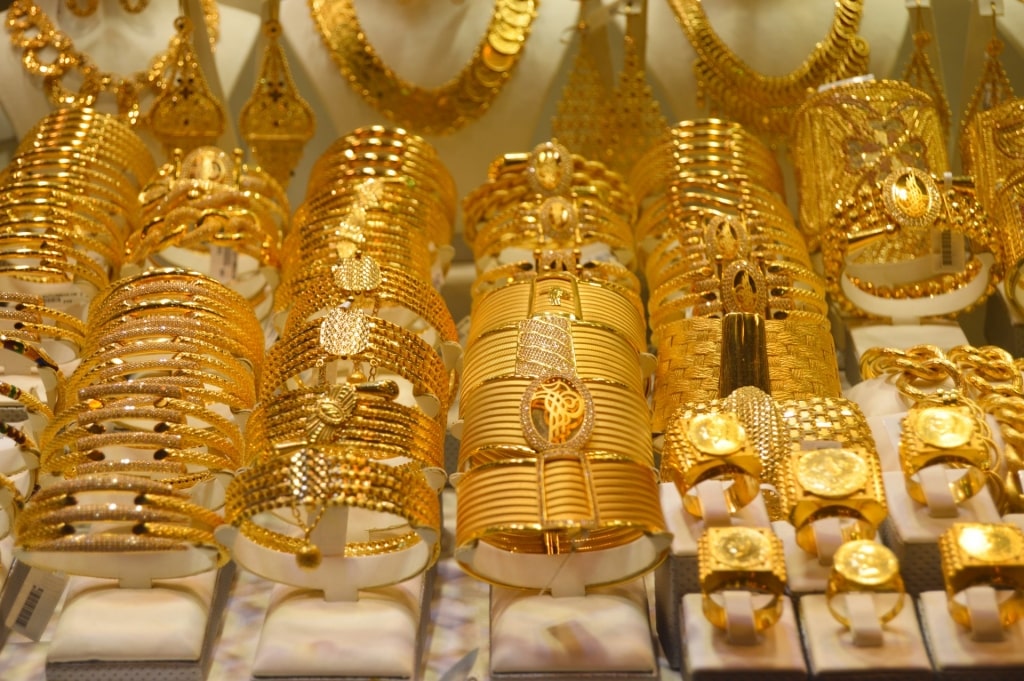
(958, 654)
(833, 654)
(708, 655)
(861, 337)
(804, 573)
(677, 576)
(912, 532)
(603, 635)
(164, 633)
(379, 635)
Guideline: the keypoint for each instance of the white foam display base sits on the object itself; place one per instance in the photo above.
(913, 534)
(708, 655)
(957, 657)
(902, 336)
(378, 636)
(677, 576)
(603, 635)
(164, 633)
(833, 656)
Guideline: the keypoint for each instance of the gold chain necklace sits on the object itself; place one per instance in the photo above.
(766, 103)
(433, 111)
(35, 33)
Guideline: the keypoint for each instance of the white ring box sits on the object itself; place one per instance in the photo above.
(957, 652)
(774, 655)
(677, 576)
(834, 652)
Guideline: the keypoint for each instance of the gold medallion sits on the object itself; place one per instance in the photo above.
(912, 197)
(866, 562)
(991, 543)
(740, 548)
(718, 434)
(832, 473)
(944, 427)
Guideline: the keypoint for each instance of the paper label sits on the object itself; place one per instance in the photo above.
(29, 599)
(223, 264)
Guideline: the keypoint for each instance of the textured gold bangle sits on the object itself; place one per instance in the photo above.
(801, 357)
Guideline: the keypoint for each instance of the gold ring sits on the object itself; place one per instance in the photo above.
(983, 554)
(742, 559)
(864, 566)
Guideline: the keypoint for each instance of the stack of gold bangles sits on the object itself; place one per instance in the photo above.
(354, 395)
(555, 454)
(144, 429)
(900, 236)
(554, 198)
(998, 171)
(383, 192)
(717, 240)
(209, 212)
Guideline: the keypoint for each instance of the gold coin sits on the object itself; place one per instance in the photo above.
(717, 434)
(866, 562)
(944, 427)
(991, 543)
(832, 473)
(740, 548)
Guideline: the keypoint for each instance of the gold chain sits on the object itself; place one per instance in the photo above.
(35, 33)
(766, 103)
(433, 111)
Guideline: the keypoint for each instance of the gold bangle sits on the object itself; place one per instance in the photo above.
(332, 476)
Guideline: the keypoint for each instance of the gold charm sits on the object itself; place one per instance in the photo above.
(276, 121)
(345, 332)
(186, 115)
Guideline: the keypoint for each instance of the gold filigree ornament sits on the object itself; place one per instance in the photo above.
(186, 115)
(71, 79)
(550, 168)
(330, 411)
(345, 332)
(431, 111)
(276, 121)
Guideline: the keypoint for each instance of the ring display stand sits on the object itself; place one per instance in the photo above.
(775, 655)
(605, 634)
(677, 576)
(834, 652)
(995, 654)
(912, 532)
(163, 633)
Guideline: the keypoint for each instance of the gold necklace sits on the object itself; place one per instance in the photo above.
(433, 111)
(35, 33)
(766, 103)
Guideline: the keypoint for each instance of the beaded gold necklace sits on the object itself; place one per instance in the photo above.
(766, 103)
(433, 111)
(35, 33)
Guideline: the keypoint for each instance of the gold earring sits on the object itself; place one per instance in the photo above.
(276, 121)
(994, 87)
(922, 74)
(186, 115)
(80, 10)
